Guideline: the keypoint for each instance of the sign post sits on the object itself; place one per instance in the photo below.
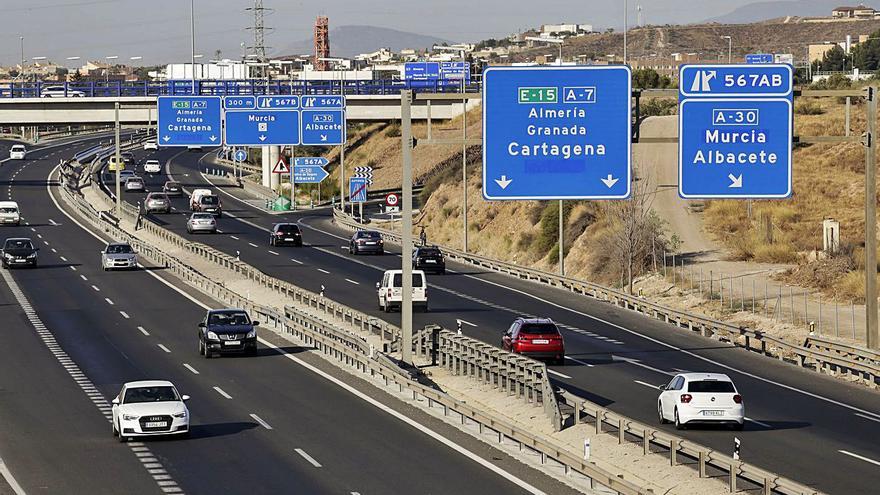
(556, 133)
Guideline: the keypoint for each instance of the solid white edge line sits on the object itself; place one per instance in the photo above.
(307, 457)
(561, 375)
(10, 479)
(859, 457)
(759, 423)
(221, 392)
(869, 418)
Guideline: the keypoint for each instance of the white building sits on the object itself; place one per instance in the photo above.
(563, 29)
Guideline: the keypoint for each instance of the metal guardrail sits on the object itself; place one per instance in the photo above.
(98, 89)
(754, 340)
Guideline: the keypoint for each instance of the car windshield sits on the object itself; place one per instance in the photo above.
(416, 280)
(429, 252)
(19, 244)
(8, 210)
(209, 200)
(134, 181)
(172, 185)
(150, 394)
(18, 148)
(288, 229)
(152, 162)
(711, 386)
(229, 318)
(539, 329)
(156, 197)
(202, 216)
(119, 249)
(368, 235)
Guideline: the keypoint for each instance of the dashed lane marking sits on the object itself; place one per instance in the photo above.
(221, 392)
(260, 420)
(307, 457)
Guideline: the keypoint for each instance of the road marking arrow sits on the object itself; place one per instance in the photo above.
(610, 181)
(262, 138)
(503, 181)
(735, 181)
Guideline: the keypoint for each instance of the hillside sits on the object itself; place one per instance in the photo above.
(348, 41)
(758, 11)
(705, 39)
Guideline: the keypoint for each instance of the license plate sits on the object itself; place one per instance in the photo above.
(713, 413)
(430, 261)
(371, 243)
(540, 341)
(232, 342)
(288, 239)
(156, 424)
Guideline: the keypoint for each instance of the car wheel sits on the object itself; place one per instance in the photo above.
(115, 431)
(122, 438)
(354, 251)
(678, 424)
(660, 418)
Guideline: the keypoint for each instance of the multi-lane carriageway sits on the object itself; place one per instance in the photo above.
(808, 427)
(283, 422)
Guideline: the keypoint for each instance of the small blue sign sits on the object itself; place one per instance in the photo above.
(556, 132)
(759, 58)
(319, 161)
(309, 174)
(421, 71)
(323, 101)
(262, 128)
(323, 127)
(735, 80)
(240, 155)
(455, 70)
(735, 148)
(189, 120)
(290, 102)
(239, 102)
(357, 189)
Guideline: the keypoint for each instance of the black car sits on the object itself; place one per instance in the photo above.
(366, 241)
(19, 251)
(285, 234)
(227, 331)
(429, 259)
(172, 188)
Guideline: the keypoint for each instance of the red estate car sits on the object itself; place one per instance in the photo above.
(538, 338)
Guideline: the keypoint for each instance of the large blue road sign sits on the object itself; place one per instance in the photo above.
(735, 148)
(309, 174)
(262, 127)
(556, 132)
(290, 102)
(735, 80)
(759, 58)
(357, 189)
(323, 101)
(323, 127)
(735, 131)
(189, 121)
(310, 160)
(239, 102)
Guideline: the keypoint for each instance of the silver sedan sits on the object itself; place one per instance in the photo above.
(201, 222)
(157, 202)
(118, 255)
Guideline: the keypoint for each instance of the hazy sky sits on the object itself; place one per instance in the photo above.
(158, 30)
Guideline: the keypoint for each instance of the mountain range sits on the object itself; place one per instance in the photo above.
(760, 11)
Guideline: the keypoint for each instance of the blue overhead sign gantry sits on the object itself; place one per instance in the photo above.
(323, 127)
(189, 120)
(262, 128)
(556, 133)
(735, 131)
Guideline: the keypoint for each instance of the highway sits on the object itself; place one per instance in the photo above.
(811, 428)
(285, 421)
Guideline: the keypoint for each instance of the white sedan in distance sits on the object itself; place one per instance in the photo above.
(701, 398)
(149, 408)
(151, 145)
(60, 92)
(152, 166)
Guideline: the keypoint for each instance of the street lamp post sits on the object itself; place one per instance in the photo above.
(107, 70)
(729, 48)
(192, 39)
(625, 27)
(341, 148)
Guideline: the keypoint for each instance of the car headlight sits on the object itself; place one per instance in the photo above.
(213, 336)
(32, 255)
(252, 334)
(129, 417)
(7, 255)
(180, 414)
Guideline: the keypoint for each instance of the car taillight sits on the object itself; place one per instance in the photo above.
(738, 399)
(686, 398)
(279, 234)
(389, 292)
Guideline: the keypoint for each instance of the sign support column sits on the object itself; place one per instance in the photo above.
(561, 242)
(464, 181)
(871, 327)
(406, 330)
(118, 164)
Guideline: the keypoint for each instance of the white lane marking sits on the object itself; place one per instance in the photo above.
(54, 250)
(859, 457)
(221, 392)
(578, 361)
(765, 425)
(39, 236)
(63, 258)
(194, 371)
(72, 268)
(296, 261)
(33, 229)
(307, 457)
(10, 479)
(352, 281)
(164, 348)
(53, 222)
(251, 244)
(260, 420)
(323, 271)
(868, 417)
(124, 315)
(646, 384)
(236, 238)
(46, 243)
(83, 277)
(273, 252)
(467, 322)
(561, 375)
(144, 331)
(636, 362)
(96, 288)
(108, 301)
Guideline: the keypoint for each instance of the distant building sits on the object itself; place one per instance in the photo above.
(563, 29)
(859, 12)
(381, 55)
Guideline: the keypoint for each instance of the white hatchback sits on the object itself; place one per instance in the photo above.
(701, 398)
(17, 152)
(148, 408)
(152, 166)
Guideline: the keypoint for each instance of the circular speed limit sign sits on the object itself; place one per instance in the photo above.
(392, 199)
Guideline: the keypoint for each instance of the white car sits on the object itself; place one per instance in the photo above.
(151, 145)
(17, 152)
(152, 166)
(701, 398)
(60, 92)
(134, 184)
(9, 213)
(148, 408)
(390, 290)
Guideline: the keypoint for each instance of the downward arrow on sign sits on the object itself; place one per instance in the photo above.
(610, 181)
(262, 138)
(503, 181)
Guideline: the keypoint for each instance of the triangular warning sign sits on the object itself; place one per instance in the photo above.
(281, 167)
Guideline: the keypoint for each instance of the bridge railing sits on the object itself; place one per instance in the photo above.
(97, 89)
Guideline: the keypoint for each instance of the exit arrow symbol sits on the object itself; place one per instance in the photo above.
(166, 139)
(610, 181)
(503, 181)
(735, 181)
(262, 138)
(213, 138)
(323, 137)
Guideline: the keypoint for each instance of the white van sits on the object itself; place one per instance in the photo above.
(391, 295)
(9, 213)
(196, 195)
(17, 152)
